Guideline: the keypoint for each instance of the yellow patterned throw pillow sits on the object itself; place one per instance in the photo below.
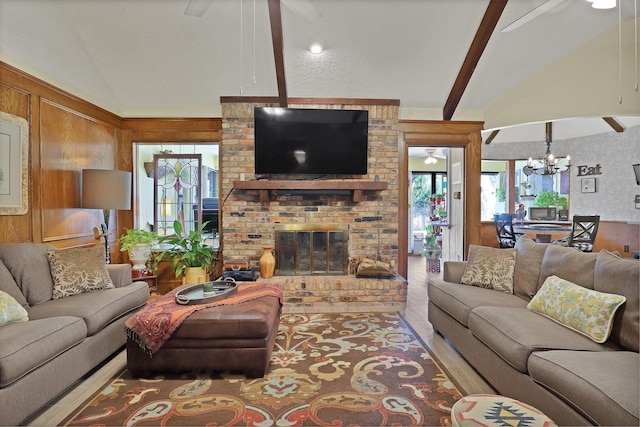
(584, 310)
(490, 268)
(10, 310)
(75, 271)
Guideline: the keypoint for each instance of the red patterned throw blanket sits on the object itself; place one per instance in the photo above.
(153, 325)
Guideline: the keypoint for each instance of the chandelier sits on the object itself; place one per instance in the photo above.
(547, 165)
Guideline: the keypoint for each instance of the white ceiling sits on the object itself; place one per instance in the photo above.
(141, 58)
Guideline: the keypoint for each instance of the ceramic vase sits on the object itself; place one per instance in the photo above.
(267, 263)
(139, 255)
(194, 275)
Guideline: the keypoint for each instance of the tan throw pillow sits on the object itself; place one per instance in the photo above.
(490, 268)
(10, 310)
(75, 271)
(529, 255)
(586, 311)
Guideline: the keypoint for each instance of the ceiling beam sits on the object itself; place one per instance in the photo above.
(492, 136)
(486, 28)
(275, 17)
(614, 124)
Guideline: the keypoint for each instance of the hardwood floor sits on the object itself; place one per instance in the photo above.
(416, 315)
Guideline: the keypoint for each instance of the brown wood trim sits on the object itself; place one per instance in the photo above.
(492, 137)
(614, 124)
(18, 79)
(322, 101)
(511, 186)
(356, 186)
(486, 28)
(172, 124)
(445, 134)
(275, 18)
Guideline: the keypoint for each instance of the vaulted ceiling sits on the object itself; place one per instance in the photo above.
(145, 58)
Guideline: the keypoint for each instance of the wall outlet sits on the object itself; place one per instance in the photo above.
(626, 248)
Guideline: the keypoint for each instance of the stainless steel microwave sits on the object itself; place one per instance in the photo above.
(542, 214)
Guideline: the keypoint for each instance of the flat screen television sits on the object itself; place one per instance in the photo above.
(310, 141)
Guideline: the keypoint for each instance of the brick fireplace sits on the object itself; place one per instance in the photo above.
(250, 220)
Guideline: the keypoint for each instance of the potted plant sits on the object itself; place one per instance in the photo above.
(431, 248)
(190, 257)
(138, 242)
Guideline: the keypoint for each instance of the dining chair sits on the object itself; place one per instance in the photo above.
(504, 229)
(583, 232)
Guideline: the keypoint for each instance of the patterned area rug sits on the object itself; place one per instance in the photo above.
(366, 369)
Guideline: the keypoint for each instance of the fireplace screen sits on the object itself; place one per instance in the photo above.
(311, 249)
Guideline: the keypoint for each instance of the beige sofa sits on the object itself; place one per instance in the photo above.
(63, 339)
(528, 356)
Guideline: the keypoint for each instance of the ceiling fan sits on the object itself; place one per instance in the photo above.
(433, 156)
(303, 8)
(549, 5)
(532, 14)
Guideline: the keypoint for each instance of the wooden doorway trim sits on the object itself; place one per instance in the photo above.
(440, 134)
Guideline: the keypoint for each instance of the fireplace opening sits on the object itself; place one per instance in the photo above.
(311, 249)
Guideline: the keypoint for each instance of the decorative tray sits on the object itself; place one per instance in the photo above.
(195, 294)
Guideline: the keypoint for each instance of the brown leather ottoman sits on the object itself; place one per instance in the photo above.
(236, 337)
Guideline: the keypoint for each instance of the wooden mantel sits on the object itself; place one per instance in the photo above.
(355, 186)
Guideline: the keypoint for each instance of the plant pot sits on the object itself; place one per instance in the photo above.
(267, 263)
(139, 255)
(194, 276)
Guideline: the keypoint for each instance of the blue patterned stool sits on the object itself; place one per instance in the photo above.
(492, 410)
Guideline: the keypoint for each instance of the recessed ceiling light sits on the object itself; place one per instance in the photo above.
(315, 48)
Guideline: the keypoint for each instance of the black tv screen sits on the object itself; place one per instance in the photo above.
(310, 141)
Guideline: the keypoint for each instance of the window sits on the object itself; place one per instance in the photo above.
(530, 190)
(172, 200)
(493, 189)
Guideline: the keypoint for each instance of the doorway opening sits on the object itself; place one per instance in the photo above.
(435, 216)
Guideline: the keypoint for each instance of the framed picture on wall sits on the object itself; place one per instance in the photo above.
(588, 185)
(14, 160)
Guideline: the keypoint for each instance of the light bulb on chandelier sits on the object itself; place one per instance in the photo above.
(549, 164)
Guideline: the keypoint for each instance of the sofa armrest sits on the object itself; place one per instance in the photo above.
(453, 270)
(120, 274)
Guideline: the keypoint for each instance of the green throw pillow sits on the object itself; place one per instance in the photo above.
(586, 311)
(490, 268)
(75, 271)
(10, 310)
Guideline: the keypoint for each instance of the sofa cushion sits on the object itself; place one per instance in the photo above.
(490, 268)
(29, 267)
(28, 345)
(515, 333)
(569, 264)
(586, 311)
(529, 255)
(9, 285)
(97, 309)
(75, 271)
(10, 310)
(458, 300)
(602, 386)
(621, 276)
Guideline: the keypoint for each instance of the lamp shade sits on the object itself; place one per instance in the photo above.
(106, 189)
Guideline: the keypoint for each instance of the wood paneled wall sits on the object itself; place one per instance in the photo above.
(66, 135)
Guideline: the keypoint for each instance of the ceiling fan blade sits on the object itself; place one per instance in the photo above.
(531, 15)
(304, 9)
(197, 8)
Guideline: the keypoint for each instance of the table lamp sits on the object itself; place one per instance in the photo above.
(106, 189)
